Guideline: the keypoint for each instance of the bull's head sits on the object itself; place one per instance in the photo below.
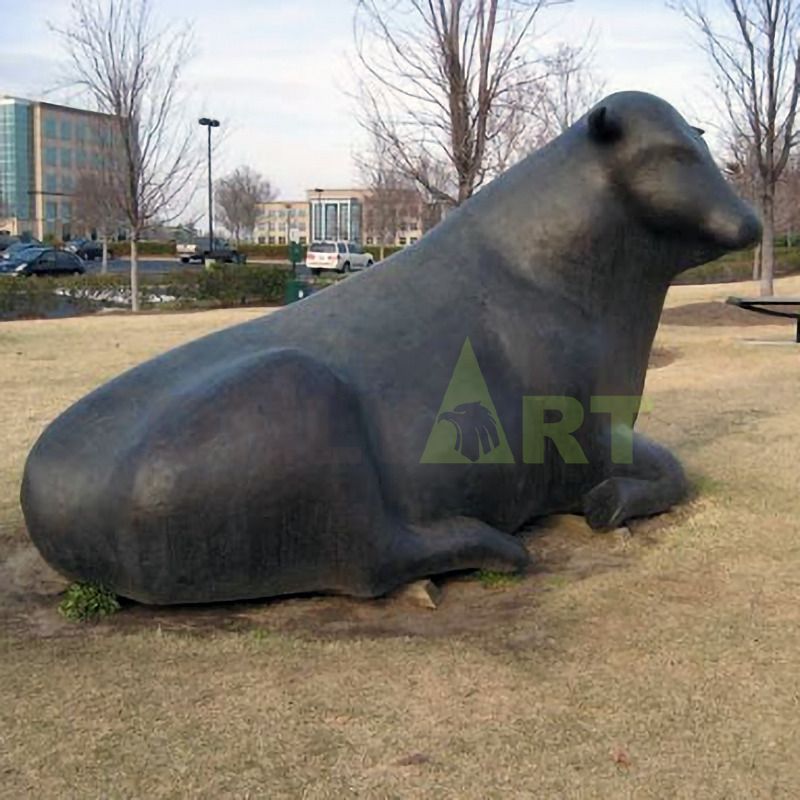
(665, 171)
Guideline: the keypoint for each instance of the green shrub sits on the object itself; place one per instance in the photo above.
(739, 267)
(236, 284)
(375, 250)
(272, 252)
(35, 297)
(84, 601)
(147, 248)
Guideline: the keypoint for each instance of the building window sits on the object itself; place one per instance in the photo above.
(281, 240)
(66, 157)
(413, 239)
(50, 182)
(80, 158)
(303, 240)
(369, 240)
(66, 130)
(356, 213)
(272, 240)
(51, 156)
(316, 230)
(331, 221)
(66, 211)
(50, 210)
(261, 240)
(67, 184)
(402, 240)
(49, 128)
(81, 131)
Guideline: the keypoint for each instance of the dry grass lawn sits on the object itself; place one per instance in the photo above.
(661, 665)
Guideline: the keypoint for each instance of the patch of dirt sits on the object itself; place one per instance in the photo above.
(716, 313)
(661, 357)
(564, 550)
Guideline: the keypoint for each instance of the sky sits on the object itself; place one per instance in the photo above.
(278, 74)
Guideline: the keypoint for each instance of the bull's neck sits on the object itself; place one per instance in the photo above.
(559, 227)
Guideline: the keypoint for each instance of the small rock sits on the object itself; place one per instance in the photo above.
(622, 536)
(425, 594)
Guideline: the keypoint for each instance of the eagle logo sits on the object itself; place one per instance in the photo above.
(476, 429)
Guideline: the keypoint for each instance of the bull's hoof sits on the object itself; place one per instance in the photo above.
(604, 506)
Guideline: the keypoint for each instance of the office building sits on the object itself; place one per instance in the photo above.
(44, 149)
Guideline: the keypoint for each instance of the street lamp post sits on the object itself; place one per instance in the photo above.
(321, 214)
(210, 123)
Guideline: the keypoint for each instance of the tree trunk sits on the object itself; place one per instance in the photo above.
(757, 262)
(104, 265)
(768, 244)
(382, 251)
(134, 274)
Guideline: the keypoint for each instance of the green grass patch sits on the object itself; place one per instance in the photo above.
(705, 485)
(84, 602)
(497, 580)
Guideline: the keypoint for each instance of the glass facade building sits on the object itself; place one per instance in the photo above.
(16, 159)
(45, 149)
(337, 218)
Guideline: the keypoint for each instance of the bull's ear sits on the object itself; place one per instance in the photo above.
(604, 125)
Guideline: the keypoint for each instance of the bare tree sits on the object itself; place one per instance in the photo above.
(237, 198)
(541, 110)
(392, 198)
(94, 209)
(787, 201)
(96, 204)
(131, 69)
(741, 169)
(570, 88)
(754, 51)
(438, 81)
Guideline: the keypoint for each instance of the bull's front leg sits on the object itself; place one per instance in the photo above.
(652, 483)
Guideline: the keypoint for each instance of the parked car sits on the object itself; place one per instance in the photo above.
(198, 252)
(341, 256)
(42, 261)
(7, 239)
(87, 249)
(13, 250)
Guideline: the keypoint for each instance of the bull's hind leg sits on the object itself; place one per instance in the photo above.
(653, 483)
(450, 545)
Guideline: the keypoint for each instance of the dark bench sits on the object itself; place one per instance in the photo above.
(774, 306)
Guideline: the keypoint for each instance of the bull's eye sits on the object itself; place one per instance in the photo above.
(698, 131)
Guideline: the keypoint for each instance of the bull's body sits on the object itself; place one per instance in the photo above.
(283, 455)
